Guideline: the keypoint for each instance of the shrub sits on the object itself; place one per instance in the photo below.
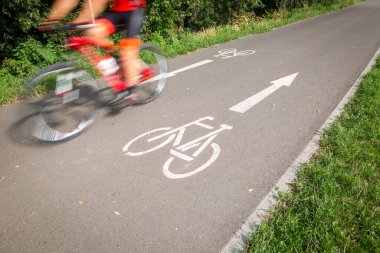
(28, 56)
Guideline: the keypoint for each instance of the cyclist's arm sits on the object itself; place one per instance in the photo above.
(61, 8)
(98, 6)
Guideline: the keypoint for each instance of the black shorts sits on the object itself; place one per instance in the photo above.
(130, 21)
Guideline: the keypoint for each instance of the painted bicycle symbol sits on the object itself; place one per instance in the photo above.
(161, 137)
(232, 52)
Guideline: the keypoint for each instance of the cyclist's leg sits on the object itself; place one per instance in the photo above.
(106, 27)
(129, 47)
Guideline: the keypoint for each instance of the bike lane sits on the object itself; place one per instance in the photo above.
(88, 195)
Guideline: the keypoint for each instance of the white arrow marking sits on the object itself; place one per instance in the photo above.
(250, 102)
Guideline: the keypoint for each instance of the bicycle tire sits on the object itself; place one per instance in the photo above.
(150, 89)
(61, 114)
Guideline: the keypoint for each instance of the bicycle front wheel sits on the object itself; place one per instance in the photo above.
(154, 64)
(64, 99)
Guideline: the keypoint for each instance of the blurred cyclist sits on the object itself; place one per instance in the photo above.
(120, 15)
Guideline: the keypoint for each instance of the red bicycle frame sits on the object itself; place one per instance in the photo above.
(85, 46)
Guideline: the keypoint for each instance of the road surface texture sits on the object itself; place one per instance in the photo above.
(101, 193)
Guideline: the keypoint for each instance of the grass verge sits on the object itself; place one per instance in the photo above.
(31, 55)
(334, 205)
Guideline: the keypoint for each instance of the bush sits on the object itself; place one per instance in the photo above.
(17, 21)
(28, 56)
(168, 16)
(19, 17)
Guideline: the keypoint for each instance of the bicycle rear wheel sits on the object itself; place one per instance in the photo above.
(63, 97)
(154, 62)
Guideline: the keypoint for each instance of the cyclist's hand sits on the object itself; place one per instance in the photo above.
(48, 24)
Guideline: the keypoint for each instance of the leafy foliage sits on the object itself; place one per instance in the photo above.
(28, 56)
(20, 17)
(164, 16)
(17, 21)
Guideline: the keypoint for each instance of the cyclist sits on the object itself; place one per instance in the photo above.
(121, 14)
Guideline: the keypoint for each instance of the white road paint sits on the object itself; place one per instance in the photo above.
(250, 102)
(233, 52)
(149, 139)
(178, 150)
(151, 136)
(171, 175)
(175, 135)
(238, 241)
(223, 54)
(175, 72)
(147, 135)
(198, 64)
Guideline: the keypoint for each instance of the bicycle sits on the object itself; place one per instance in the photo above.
(167, 135)
(66, 95)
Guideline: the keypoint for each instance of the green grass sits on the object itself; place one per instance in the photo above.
(13, 71)
(10, 88)
(27, 60)
(334, 205)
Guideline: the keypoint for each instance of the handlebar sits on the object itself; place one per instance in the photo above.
(55, 26)
(77, 27)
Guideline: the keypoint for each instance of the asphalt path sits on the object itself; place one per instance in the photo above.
(101, 193)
